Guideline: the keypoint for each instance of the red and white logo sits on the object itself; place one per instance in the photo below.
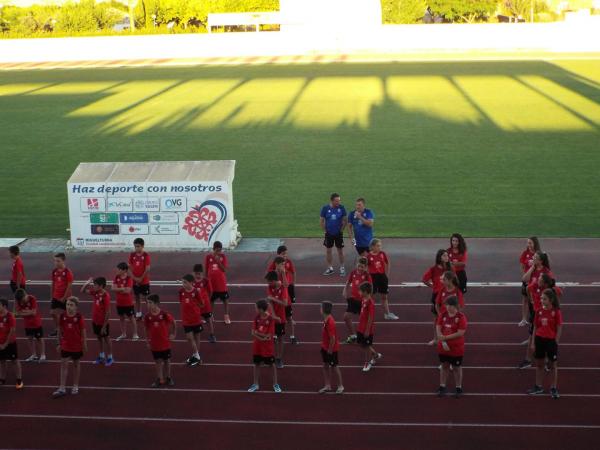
(92, 203)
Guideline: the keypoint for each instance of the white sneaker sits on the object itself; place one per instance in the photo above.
(367, 367)
(120, 338)
(523, 323)
(375, 359)
(342, 271)
(138, 315)
(135, 337)
(525, 342)
(390, 316)
(42, 358)
(328, 271)
(31, 358)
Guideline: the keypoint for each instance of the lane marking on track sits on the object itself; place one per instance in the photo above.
(304, 423)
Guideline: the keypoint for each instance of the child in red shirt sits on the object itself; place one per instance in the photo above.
(26, 307)
(192, 305)
(526, 261)
(277, 295)
(203, 285)
(366, 326)
(72, 345)
(160, 331)
(379, 269)
(17, 276)
(8, 344)
(139, 267)
(548, 325)
(433, 279)
(450, 287)
(62, 281)
(458, 259)
(329, 350)
(290, 271)
(123, 287)
(216, 265)
(351, 293)
(280, 265)
(263, 348)
(96, 288)
(451, 328)
(541, 264)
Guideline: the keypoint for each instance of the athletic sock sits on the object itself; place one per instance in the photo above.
(197, 355)
(101, 355)
(110, 356)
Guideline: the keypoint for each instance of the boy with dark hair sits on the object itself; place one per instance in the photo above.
(160, 331)
(60, 290)
(191, 312)
(451, 327)
(139, 267)
(353, 298)
(17, 276)
(277, 295)
(96, 287)
(27, 308)
(8, 344)
(216, 265)
(280, 263)
(204, 287)
(366, 326)
(123, 286)
(290, 271)
(263, 329)
(329, 350)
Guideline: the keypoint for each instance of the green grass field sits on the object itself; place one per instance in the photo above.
(496, 148)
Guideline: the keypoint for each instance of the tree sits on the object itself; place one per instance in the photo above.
(463, 10)
(402, 11)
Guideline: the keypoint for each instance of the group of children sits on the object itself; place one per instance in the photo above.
(274, 314)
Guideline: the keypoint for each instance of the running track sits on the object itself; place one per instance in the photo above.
(390, 407)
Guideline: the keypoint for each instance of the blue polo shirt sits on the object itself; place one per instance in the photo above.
(333, 218)
(362, 233)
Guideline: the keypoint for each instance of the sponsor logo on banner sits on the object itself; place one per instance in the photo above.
(100, 218)
(173, 204)
(92, 204)
(134, 229)
(164, 218)
(105, 229)
(146, 204)
(120, 204)
(133, 218)
(164, 229)
(204, 220)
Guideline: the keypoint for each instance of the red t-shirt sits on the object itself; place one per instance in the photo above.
(355, 279)
(100, 307)
(279, 293)
(367, 311)
(205, 292)
(264, 326)
(526, 259)
(457, 257)
(450, 325)
(138, 264)
(443, 294)
(377, 262)
(34, 321)
(7, 323)
(71, 332)
(18, 268)
(535, 275)
(215, 274)
(547, 322)
(434, 274)
(328, 331)
(536, 295)
(61, 279)
(290, 270)
(191, 307)
(124, 298)
(157, 330)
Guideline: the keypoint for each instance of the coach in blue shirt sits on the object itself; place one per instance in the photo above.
(360, 227)
(333, 222)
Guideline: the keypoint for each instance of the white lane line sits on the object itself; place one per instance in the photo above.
(301, 423)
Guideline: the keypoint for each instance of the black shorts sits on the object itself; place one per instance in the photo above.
(364, 341)
(206, 315)
(196, 329)
(524, 289)
(353, 306)
(289, 312)
(330, 359)
(454, 361)
(223, 296)
(14, 287)
(141, 289)
(128, 311)
(334, 239)
(546, 348)
(37, 333)
(292, 293)
(380, 283)
(163, 354)
(75, 356)
(462, 280)
(279, 329)
(57, 304)
(9, 353)
(361, 250)
(433, 298)
(266, 360)
(98, 330)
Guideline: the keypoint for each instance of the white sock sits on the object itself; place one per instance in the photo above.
(110, 356)
(101, 355)
(197, 355)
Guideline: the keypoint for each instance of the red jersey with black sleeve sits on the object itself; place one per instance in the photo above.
(290, 270)
(18, 268)
(61, 278)
(205, 290)
(526, 259)
(124, 298)
(71, 332)
(535, 275)
(30, 303)
(157, 330)
(355, 279)
(547, 322)
(443, 294)
(329, 330)
(264, 325)
(280, 293)
(367, 311)
(434, 275)
(450, 325)
(100, 307)
(377, 262)
(138, 262)
(455, 257)
(191, 307)
(215, 274)
(7, 324)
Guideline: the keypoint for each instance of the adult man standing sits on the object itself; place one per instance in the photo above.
(333, 222)
(360, 227)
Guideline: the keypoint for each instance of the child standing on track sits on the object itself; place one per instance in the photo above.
(450, 288)
(277, 295)
(123, 286)
(72, 345)
(526, 261)
(547, 331)
(451, 328)
(458, 259)
(433, 279)
(366, 326)
(26, 307)
(203, 285)
(290, 271)
(379, 269)
(8, 345)
(263, 348)
(192, 304)
(60, 290)
(96, 287)
(160, 331)
(139, 267)
(353, 298)
(541, 264)
(17, 276)
(329, 350)
(280, 267)
(216, 266)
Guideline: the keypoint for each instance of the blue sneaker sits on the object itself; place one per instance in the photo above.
(99, 360)
(277, 388)
(253, 388)
(109, 362)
